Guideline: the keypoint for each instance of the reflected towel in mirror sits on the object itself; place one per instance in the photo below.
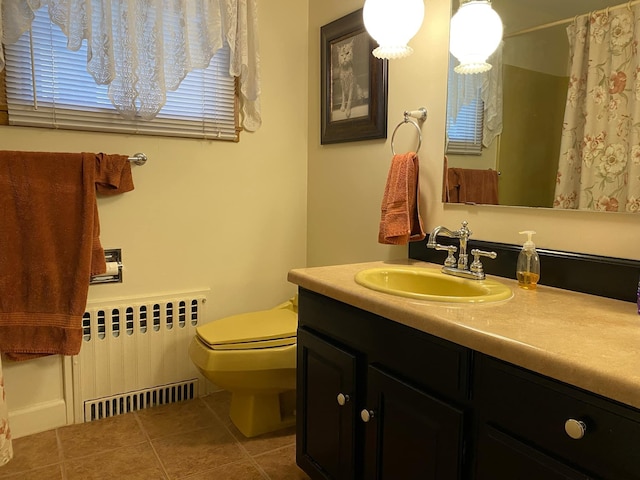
(466, 185)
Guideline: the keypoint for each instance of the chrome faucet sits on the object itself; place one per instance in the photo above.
(461, 267)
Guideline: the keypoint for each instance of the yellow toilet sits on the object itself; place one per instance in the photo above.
(253, 356)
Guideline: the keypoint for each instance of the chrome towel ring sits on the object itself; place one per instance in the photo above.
(421, 115)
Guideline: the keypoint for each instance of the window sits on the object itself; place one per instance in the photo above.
(58, 92)
(465, 112)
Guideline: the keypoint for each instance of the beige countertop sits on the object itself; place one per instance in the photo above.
(584, 340)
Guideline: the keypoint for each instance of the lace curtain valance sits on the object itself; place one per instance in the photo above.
(143, 48)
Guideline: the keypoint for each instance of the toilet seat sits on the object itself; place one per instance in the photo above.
(248, 331)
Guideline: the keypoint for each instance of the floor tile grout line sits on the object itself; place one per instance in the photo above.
(150, 443)
(277, 449)
(219, 404)
(63, 467)
(215, 414)
(215, 417)
(102, 452)
(238, 442)
(267, 453)
(59, 462)
(13, 475)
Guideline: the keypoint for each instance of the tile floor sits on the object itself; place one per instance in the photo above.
(192, 440)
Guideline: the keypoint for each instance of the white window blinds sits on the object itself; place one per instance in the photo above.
(464, 132)
(55, 90)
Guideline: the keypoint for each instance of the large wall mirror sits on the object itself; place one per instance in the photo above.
(535, 80)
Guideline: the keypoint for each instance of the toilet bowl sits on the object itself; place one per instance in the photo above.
(253, 356)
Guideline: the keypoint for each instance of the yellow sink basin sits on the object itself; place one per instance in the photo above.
(431, 284)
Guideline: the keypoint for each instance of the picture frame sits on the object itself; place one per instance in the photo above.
(354, 83)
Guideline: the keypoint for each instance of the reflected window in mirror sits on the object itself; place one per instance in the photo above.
(474, 122)
(474, 108)
(464, 118)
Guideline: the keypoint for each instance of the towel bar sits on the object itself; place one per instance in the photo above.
(138, 158)
(421, 115)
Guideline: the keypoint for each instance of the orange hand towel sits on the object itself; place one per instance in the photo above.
(400, 220)
(50, 246)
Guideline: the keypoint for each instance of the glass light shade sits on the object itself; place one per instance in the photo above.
(392, 23)
(476, 32)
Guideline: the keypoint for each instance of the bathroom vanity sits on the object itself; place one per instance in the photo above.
(545, 385)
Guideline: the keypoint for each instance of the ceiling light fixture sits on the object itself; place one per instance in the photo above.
(392, 23)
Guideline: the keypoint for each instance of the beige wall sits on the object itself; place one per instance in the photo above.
(346, 181)
(204, 214)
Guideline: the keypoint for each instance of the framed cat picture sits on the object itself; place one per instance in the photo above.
(354, 83)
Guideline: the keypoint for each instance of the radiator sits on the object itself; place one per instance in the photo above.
(134, 354)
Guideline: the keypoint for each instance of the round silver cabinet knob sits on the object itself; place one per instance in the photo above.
(576, 429)
(342, 399)
(366, 415)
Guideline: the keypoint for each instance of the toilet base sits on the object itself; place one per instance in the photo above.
(257, 414)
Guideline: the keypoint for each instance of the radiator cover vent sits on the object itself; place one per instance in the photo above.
(149, 397)
(135, 354)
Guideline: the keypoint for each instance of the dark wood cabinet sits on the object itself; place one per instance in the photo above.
(409, 434)
(326, 408)
(378, 400)
(361, 414)
(540, 412)
(502, 457)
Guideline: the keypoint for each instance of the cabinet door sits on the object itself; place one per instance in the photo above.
(501, 457)
(326, 382)
(409, 434)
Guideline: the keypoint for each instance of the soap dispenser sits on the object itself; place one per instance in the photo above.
(528, 267)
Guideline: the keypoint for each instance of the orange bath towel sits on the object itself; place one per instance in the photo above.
(466, 185)
(400, 220)
(50, 246)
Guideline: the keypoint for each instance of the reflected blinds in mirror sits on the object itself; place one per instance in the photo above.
(464, 133)
(465, 112)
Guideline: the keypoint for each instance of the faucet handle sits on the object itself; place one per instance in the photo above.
(476, 265)
(450, 261)
(464, 231)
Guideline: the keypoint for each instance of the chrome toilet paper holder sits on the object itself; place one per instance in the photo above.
(113, 257)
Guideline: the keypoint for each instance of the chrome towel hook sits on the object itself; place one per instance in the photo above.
(421, 115)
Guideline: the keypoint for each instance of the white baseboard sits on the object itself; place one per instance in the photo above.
(38, 418)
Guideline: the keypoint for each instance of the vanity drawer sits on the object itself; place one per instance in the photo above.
(534, 409)
(432, 364)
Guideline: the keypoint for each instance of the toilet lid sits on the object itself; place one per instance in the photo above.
(267, 328)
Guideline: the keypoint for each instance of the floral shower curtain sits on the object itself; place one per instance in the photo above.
(6, 450)
(599, 166)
